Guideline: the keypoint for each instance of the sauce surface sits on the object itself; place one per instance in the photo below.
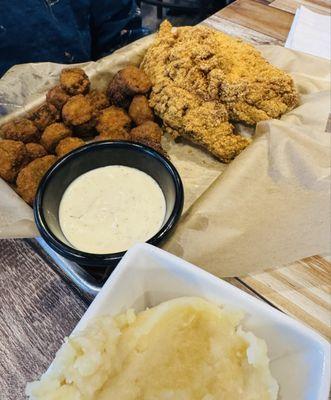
(109, 209)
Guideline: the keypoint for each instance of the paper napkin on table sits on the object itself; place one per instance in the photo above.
(310, 33)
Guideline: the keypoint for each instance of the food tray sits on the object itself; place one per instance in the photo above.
(85, 281)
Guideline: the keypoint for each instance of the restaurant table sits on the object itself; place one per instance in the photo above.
(39, 308)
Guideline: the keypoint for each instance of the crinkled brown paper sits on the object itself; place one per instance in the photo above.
(271, 206)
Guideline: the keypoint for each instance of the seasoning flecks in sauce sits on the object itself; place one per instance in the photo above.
(108, 209)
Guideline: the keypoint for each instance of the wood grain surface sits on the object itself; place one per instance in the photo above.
(38, 308)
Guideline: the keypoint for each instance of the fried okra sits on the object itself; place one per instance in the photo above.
(12, 156)
(21, 129)
(120, 134)
(57, 97)
(53, 134)
(112, 121)
(154, 145)
(77, 110)
(126, 83)
(35, 150)
(44, 115)
(30, 176)
(148, 131)
(140, 111)
(99, 100)
(74, 81)
(68, 144)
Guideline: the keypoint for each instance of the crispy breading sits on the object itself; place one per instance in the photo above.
(30, 176)
(20, 129)
(35, 150)
(128, 82)
(77, 110)
(112, 121)
(53, 134)
(12, 156)
(44, 115)
(74, 81)
(99, 100)
(68, 144)
(139, 110)
(203, 79)
(57, 96)
(149, 130)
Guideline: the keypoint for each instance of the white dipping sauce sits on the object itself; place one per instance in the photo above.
(107, 210)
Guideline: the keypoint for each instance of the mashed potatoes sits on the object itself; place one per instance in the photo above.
(182, 349)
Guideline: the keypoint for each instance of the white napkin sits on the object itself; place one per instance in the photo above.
(310, 33)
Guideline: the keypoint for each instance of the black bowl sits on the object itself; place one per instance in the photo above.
(96, 155)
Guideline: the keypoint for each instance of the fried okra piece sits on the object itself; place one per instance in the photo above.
(120, 134)
(68, 144)
(74, 81)
(30, 176)
(12, 156)
(44, 115)
(57, 97)
(140, 111)
(53, 134)
(20, 129)
(147, 131)
(128, 82)
(154, 145)
(77, 110)
(35, 150)
(99, 100)
(113, 121)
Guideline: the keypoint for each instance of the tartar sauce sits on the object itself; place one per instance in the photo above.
(107, 210)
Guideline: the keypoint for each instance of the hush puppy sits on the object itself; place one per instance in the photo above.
(30, 176)
(35, 150)
(68, 144)
(12, 156)
(53, 134)
(57, 97)
(147, 131)
(77, 110)
(113, 120)
(99, 100)
(74, 81)
(140, 111)
(128, 82)
(21, 129)
(44, 115)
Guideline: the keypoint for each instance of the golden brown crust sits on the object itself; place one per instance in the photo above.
(99, 100)
(74, 81)
(128, 82)
(57, 97)
(120, 134)
(77, 110)
(44, 115)
(112, 120)
(86, 130)
(140, 111)
(12, 157)
(20, 129)
(147, 131)
(30, 176)
(68, 144)
(53, 134)
(35, 150)
(203, 79)
(154, 145)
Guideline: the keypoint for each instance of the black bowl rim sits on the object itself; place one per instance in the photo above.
(101, 259)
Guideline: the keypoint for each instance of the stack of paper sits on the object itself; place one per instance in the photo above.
(310, 33)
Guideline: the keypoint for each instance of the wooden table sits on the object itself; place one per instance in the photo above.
(38, 308)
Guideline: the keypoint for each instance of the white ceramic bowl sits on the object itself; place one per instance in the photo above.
(146, 276)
